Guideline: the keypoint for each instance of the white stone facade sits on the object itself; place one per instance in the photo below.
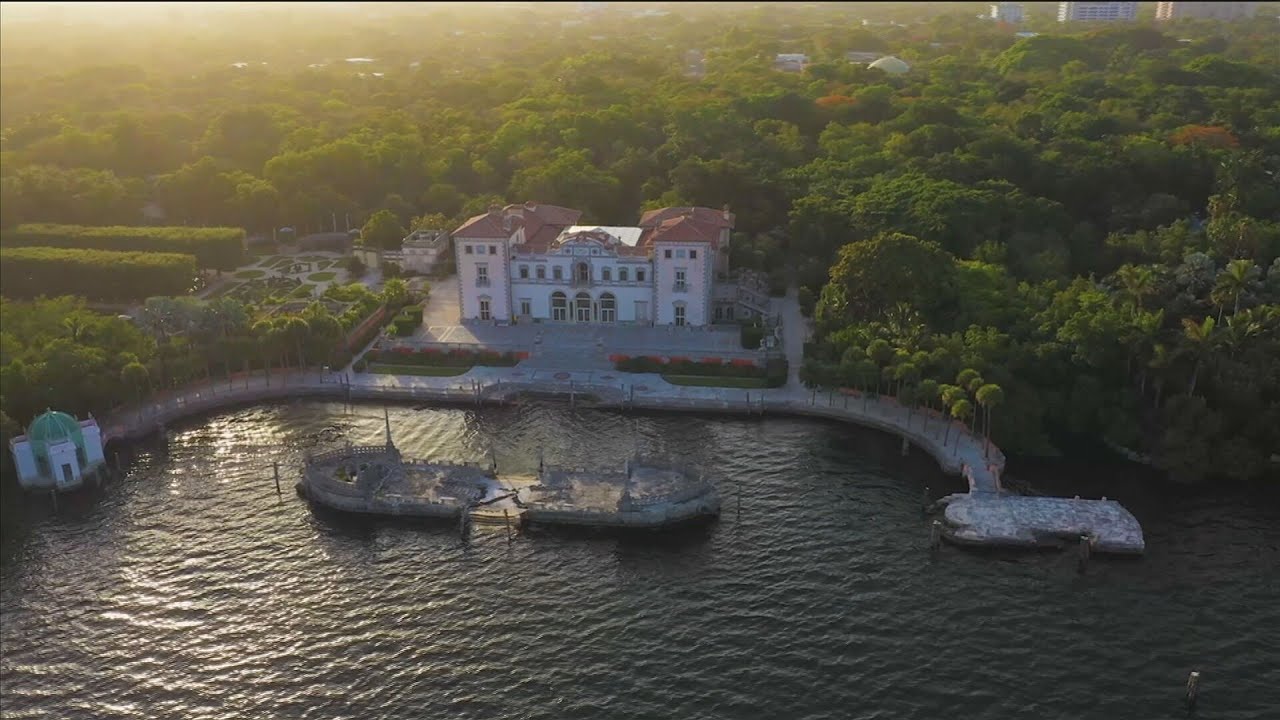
(527, 263)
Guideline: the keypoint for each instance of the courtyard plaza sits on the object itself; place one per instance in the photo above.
(570, 346)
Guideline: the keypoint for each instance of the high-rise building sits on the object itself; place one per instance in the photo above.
(1205, 10)
(1010, 12)
(1096, 11)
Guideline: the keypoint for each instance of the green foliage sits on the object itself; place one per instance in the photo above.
(872, 276)
(28, 272)
(213, 247)
(383, 230)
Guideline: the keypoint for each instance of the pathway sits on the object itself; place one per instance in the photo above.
(983, 516)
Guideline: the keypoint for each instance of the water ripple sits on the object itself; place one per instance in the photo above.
(190, 590)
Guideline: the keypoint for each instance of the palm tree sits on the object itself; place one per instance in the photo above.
(135, 375)
(962, 410)
(989, 396)
(1160, 361)
(1200, 339)
(1232, 281)
(1242, 326)
(264, 334)
(296, 330)
(868, 373)
(906, 373)
(950, 395)
(1137, 282)
(928, 391)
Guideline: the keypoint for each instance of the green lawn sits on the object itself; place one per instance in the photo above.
(323, 264)
(250, 274)
(432, 370)
(322, 276)
(711, 381)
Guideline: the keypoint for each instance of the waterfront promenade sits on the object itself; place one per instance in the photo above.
(983, 516)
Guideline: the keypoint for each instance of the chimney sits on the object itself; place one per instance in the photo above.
(725, 212)
(531, 206)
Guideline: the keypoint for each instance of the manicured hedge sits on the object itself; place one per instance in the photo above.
(213, 247)
(408, 320)
(774, 372)
(27, 272)
(442, 358)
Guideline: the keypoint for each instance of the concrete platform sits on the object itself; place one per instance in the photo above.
(1022, 521)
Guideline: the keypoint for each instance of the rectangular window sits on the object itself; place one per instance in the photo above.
(526, 307)
(542, 272)
(484, 309)
(482, 275)
(639, 275)
(680, 315)
(680, 275)
(557, 273)
(680, 253)
(479, 249)
(467, 249)
(666, 254)
(493, 249)
(622, 274)
(679, 285)
(524, 272)
(693, 254)
(606, 274)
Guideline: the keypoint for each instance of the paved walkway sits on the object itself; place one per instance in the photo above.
(984, 516)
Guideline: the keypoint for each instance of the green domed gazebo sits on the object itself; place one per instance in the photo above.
(57, 452)
(52, 428)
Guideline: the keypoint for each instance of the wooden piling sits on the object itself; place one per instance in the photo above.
(507, 516)
(1085, 550)
(275, 468)
(1193, 689)
(924, 506)
(935, 535)
(906, 446)
(53, 495)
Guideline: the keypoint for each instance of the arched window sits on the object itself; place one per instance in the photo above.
(608, 308)
(582, 307)
(559, 306)
(622, 274)
(606, 274)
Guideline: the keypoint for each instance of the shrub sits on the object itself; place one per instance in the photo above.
(807, 300)
(751, 336)
(213, 247)
(360, 365)
(98, 274)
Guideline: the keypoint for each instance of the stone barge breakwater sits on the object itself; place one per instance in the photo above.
(377, 480)
(986, 516)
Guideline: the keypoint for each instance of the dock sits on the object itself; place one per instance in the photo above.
(1021, 521)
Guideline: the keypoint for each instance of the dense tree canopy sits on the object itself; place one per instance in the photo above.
(1064, 214)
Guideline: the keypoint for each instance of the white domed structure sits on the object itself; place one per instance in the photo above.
(58, 452)
(891, 65)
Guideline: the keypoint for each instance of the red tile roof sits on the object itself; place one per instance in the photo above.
(541, 223)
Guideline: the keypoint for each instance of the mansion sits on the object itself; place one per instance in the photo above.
(535, 262)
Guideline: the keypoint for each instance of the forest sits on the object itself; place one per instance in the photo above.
(1087, 218)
